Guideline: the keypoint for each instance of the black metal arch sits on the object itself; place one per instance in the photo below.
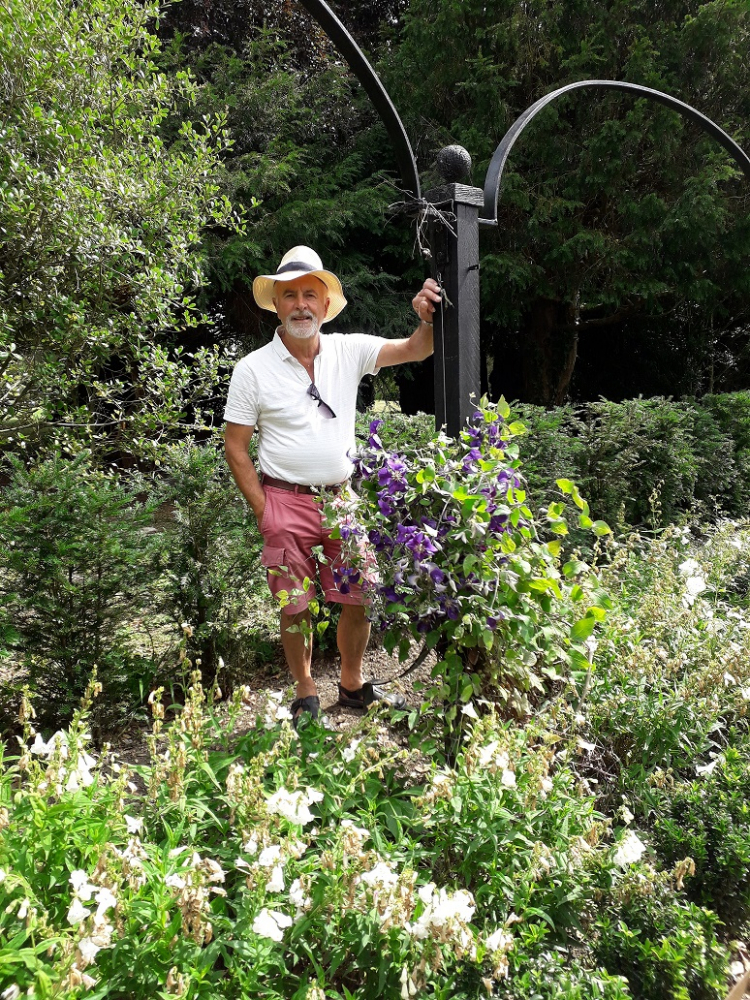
(497, 165)
(375, 90)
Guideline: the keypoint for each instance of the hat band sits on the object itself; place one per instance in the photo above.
(296, 266)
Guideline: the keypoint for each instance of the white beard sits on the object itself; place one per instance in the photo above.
(301, 329)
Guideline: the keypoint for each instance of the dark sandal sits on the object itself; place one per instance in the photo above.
(368, 694)
(310, 704)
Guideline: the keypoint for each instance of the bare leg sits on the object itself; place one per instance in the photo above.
(298, 652)
(352, 635)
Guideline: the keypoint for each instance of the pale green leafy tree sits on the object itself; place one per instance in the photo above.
(101, 222)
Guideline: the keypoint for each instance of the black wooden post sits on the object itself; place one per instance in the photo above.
(454, 243)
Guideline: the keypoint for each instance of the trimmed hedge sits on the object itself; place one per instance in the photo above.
(639, 462)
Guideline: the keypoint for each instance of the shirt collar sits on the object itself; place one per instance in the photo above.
(283, 351)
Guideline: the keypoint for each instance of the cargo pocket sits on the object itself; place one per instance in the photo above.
(272, 559)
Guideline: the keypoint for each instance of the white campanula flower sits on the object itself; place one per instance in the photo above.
(425, 892)
(23, 910)
(499, 940)
(297, 895)
(175, 881)
(213, 870)
(294, 806)
(59, 739)
(276, 882)
(42, 749)
(271, 924)
(694, 586)
(708, 768)
(357, 831)
(88, 949)
(134, 824)
(77, 912)
(443, 909)
(349, 752)
(508, 778)
(81, 776)
(487, 753)
(81, 885)
(269, 856)
(629, 850)
(105, 900)
(689, 568)
(12, 993)
(468, 709)
(458, 906)
(251, 847)
(625, 815)
(380, 875)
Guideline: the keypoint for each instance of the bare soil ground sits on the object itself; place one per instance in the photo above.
(130, 744)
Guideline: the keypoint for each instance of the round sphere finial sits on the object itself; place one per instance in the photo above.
(453, 164)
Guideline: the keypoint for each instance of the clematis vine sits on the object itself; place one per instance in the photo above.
(442, 541)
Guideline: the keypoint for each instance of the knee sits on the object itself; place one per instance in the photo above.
(352, 612)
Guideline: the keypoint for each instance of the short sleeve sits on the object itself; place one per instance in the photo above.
(242, 400)
(366, 349)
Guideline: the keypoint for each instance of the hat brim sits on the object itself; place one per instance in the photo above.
(263, 290)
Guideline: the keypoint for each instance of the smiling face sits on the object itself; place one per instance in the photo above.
(301, 305)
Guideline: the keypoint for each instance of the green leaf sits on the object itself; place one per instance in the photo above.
(574, 567)
(582, 629)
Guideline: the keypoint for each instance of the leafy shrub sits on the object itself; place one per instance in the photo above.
(673, 664)
(731, 411)
(622, 455)
(708, 820)
(662, 945)
(511, 822)
(73, 546)
(207, 572)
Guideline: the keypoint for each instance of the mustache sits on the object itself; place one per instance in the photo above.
(301, 315)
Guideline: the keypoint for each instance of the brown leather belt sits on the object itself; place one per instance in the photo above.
(279, 484)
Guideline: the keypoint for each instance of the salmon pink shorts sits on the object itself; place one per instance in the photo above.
(291, 526)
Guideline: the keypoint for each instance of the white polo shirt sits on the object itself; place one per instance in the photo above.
(296, 441)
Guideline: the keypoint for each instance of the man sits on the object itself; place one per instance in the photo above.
(299, 393)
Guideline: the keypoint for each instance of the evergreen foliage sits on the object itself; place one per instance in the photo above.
(611, 208)
(74, 547)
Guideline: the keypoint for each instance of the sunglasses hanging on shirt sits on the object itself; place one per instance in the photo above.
(322, 405)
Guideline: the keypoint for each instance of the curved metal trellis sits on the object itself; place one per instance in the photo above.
(375, 90)
(493, 178)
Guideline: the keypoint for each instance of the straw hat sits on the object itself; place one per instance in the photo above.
(299, 262)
